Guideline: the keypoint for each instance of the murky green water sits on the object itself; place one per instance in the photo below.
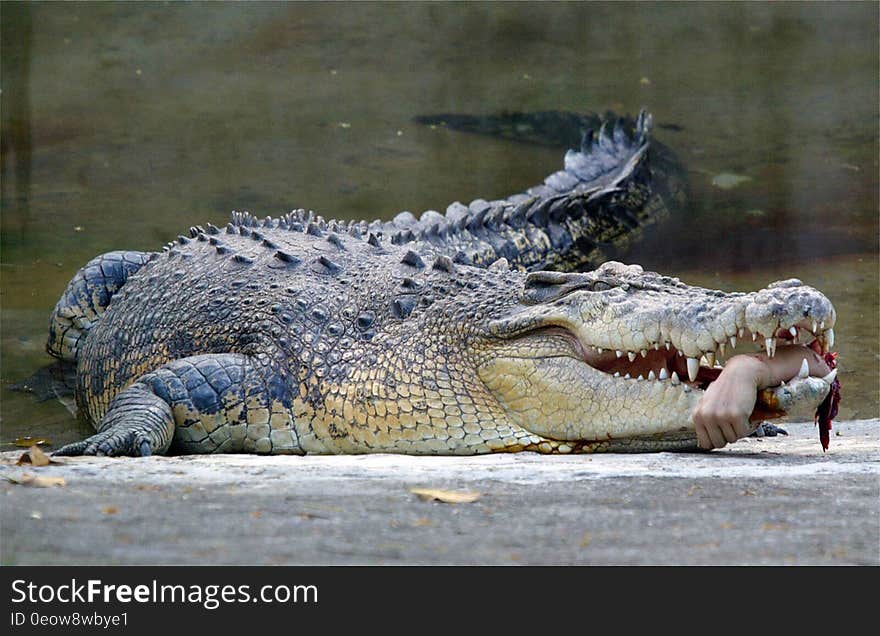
(124, 124)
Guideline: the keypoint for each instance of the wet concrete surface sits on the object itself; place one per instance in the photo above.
(771, 501)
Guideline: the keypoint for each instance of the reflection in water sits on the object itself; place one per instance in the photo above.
(126, 123)
(15, 108)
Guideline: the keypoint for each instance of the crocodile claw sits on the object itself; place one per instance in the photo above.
(766, 429)
(110, 443)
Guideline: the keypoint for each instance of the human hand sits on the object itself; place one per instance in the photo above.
(723, 414)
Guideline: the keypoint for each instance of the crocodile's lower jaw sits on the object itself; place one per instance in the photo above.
(563, 398)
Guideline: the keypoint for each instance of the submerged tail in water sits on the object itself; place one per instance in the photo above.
(56, 380)
(553, 128)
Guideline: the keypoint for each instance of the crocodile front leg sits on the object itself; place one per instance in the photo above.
(203, 404)
(139, 423)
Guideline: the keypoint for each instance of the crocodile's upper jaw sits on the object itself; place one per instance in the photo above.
(667, 362)
(621, 352)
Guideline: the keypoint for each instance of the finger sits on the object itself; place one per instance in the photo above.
(716, 436)
(727, 429)
(703, 440)
(743, 428)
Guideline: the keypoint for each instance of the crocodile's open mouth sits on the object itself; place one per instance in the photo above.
(664, 362)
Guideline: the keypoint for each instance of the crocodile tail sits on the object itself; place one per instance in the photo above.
(600, 198)
(604, 192)
(617, 181)
(606, 161)
(87, 297)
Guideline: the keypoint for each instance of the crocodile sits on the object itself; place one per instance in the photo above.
(267, 338)
(439, 334)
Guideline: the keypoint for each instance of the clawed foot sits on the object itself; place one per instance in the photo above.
(111, 443)
(766, 429)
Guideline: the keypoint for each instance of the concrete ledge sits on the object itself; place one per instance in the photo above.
(805, 505)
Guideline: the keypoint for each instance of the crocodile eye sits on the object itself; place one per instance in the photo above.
(601, 285)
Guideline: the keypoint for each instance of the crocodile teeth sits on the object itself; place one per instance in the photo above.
(710, 358)
(626, 377)
(656, 346)
(770, 345)
(668, 346)
(675, 379)
(693, 368)
(830, 377)
(740, 332)
(644, 352)
(822, 325)
(618, 353)
(804, 370)
(651, 375)
(829, 338)
(599, 350)
(793, 331)
(640, 378)
(814, 326)
(722, 348)
(664, 374)
(733, 342)
(617, 374)
(631, 355)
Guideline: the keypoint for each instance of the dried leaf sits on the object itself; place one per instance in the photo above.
(46, 482)
(446, 496)
(37, 481)
(35, 457)
(28, 441)
(422, 522)
(774, 526)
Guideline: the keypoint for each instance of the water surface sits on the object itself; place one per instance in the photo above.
(126, 123)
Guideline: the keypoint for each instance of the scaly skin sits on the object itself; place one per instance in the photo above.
(272, 340)
(619, 181)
